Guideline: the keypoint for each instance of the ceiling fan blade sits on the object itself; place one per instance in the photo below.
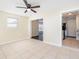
(35, 7)
(20, 7)
(25, 11)
(33, 11)
(25, 1)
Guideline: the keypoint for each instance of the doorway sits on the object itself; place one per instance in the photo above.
(37, 29)
(70, 29)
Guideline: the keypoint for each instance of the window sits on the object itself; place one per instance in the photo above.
(11, 22)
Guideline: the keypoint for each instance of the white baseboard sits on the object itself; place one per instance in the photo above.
(58, 45)
(13, 41)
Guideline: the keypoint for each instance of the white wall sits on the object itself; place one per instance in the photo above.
(11, 34)
(51, 11)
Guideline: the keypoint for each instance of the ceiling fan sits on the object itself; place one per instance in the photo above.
(29, 7)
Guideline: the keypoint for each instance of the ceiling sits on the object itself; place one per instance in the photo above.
(10, 6)
(71, 13)
(47, 7)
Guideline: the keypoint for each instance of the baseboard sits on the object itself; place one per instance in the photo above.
(10, 42)
(54, 44)
(71, 36)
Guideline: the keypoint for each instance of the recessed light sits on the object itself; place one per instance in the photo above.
(69, 13)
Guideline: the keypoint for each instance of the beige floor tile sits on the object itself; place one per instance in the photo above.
(10, 53)
(63, 53)
(74, 55)
(50, 55)
(34, 49)
(39, 53)
(26, 55)
(36, 52)
(2, 55)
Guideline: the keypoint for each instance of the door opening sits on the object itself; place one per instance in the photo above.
(70, 29)
(37, 29)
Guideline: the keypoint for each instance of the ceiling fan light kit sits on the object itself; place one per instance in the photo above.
(28, 10)
(29, 7)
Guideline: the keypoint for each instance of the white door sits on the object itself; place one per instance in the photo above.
(71, 28)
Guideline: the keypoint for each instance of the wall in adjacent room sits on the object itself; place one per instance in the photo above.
(35, 27)
(70, 25)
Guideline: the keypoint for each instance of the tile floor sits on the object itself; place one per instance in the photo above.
(34, 49)
(71, 42)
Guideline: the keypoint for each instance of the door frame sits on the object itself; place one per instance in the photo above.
(30, 26)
